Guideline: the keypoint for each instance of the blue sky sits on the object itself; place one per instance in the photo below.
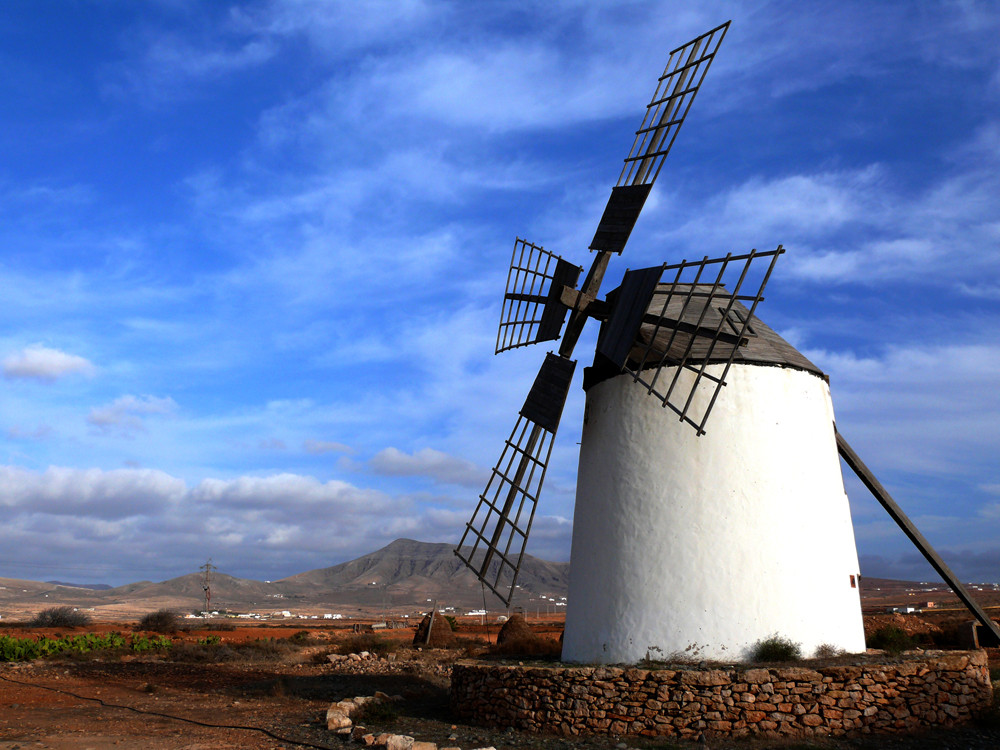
(253, 253)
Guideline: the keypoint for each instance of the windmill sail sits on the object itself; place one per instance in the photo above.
(532, 310)
(680, 337)
(494, 540)
(675, 92)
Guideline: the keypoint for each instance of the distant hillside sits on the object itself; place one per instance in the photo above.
(410, 571)
(191, 586)
(400, 578)
(91, 586)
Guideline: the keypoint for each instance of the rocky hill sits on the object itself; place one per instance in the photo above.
(411, 571)
(402, 577)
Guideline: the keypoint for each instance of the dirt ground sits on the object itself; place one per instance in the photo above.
(157, 702)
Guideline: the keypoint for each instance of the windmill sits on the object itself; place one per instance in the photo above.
(684, 539)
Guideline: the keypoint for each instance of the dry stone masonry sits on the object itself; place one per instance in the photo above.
(929, 688)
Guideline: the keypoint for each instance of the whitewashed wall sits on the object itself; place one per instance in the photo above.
(704, 545)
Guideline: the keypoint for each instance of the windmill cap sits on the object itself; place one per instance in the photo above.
(762, 347)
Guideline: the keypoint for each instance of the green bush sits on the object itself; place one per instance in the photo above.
(28, 649)
(452, 622)
(775, 648)
(891, 639)
(301, 637)
(142, 643)
(160, 621)
(59, 617)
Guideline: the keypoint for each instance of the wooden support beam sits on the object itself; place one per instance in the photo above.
(880, 493)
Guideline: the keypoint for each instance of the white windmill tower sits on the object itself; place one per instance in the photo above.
(684, 540)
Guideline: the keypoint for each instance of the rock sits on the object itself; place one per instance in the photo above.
(756, 676)
(418, 745)
(337, 718)
(399, 742)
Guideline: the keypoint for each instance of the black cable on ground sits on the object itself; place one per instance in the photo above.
(207, 724)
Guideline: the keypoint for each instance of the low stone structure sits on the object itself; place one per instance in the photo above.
(922, 688)
(340, 716)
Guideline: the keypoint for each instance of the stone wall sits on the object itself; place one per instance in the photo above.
(923, 689)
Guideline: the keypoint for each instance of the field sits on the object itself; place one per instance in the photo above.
(268, 686)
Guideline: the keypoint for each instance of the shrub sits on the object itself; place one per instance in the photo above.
(366, 642)
(828, 651)
(200, 653)
(265, 650)
(142, 643)
(891, 639)
(452, 622)
(302, 637)
(26, 649)
(775, 648)
(160, 621)
(59, 617)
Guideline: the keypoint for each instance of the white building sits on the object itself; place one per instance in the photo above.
(704, 545)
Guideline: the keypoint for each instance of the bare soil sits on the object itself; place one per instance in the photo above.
(157, 702)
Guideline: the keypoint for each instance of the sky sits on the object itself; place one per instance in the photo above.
(253, 254)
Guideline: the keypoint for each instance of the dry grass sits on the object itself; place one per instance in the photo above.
(369, 642)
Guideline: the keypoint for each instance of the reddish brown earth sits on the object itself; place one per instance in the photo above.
(160, 703)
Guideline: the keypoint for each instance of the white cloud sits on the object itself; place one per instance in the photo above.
(288, 495)
(39, 433)
(39, 362)
(427, 462)
(263, 526)
(61, 491)
(929, 410)
(319, 447)
(125, 413)
(338, 27)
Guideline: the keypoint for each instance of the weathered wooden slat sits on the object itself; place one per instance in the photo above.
(545, 401)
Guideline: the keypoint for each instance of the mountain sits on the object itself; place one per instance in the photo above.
(401, 578)
(91, 586)
(408, 571)
(192, 586)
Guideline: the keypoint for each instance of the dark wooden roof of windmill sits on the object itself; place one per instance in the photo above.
(763, 346)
